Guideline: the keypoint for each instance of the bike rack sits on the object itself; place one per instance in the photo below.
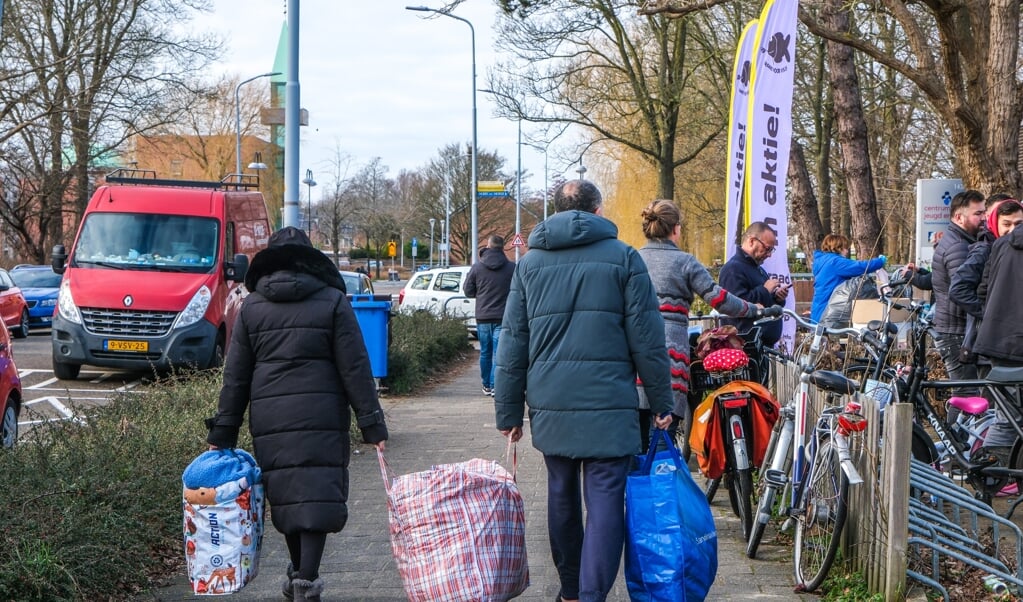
(937, 513)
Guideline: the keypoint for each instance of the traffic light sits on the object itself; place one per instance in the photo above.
(392, 249)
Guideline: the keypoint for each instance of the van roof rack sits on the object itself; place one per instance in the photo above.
(147, 177)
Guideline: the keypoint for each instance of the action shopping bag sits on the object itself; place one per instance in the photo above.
(458, 532)
(222, 498)
(671, 550)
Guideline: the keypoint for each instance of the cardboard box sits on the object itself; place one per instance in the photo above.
(865, 310)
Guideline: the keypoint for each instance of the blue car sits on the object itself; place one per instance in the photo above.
(39, 284)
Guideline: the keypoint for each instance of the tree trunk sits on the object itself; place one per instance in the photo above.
(852, 138)
(805, 216)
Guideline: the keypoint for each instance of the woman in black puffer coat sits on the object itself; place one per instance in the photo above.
(297, 361)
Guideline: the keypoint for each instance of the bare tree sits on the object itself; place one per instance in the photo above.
(94, 72)
(623, 78)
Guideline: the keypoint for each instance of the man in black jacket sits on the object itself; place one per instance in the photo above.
(967, 214)
(488, 282)
(743, 277)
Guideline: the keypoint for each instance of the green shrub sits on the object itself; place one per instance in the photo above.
(421, 345)
(92, 508)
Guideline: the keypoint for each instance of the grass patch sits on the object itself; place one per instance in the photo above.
(92, 508)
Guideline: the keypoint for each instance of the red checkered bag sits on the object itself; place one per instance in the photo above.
(458, 532)
(725, 360)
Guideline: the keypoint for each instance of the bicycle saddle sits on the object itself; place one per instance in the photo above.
(833, 381)
(1006, 374)
(970, 405)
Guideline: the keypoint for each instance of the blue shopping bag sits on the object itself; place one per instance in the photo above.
(671, 547)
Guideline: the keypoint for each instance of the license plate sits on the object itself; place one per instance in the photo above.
(138, 346)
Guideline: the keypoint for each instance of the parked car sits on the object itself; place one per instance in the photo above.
(13, 307)
(440, 291)
(357, 283)
(40, 285)
(10, 392)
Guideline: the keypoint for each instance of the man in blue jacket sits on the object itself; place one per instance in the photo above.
(581, 322)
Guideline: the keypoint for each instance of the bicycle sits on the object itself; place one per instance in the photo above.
(702, 383)
(1004, 386)
(821, 468)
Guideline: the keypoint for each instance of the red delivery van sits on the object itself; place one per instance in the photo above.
(153, 279)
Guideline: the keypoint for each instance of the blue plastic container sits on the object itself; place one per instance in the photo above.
(374, 313)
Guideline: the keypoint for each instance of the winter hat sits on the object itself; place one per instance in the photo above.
(218, 466)
(992, 215)
(290, 249)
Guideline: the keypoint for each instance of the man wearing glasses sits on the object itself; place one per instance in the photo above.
(743, 276)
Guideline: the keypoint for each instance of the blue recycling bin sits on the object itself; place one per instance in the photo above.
(374, 313)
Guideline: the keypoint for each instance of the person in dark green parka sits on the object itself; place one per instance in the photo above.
(581, 323)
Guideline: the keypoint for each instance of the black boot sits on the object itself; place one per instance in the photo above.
(307, 590)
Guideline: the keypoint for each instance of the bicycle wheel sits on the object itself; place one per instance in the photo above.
(683, 427)
(767, 493)
(710, 489)
(820, 517)
(740, 494)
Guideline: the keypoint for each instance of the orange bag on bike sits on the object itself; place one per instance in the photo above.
(706, 439)
(764, 412)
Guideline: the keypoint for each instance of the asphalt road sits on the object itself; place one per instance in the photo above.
(47, 398)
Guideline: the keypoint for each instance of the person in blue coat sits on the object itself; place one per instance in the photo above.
(580, 324)
(832, 266)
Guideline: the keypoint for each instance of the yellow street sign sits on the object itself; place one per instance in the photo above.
(392, 249)
(490, 186)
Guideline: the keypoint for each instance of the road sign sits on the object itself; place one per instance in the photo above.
(517, 241)
(392, 249)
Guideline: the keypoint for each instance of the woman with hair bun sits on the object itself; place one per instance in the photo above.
(678, 278)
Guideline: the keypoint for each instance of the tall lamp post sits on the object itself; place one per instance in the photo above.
(518, 193)
(238, 119)
(472, 193)
(310, 182)
(432, 222)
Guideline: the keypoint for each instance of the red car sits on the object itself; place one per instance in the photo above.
(10, 392)
(13, 307)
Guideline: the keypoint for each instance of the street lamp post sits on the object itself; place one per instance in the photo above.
(432, 222)
(581, 170)
(474, 244)
(310, 182)
(238, 119)
(518, 193)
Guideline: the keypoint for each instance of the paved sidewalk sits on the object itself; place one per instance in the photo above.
(454, 422)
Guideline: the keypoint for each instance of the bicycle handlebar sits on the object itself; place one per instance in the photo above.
(808, 325)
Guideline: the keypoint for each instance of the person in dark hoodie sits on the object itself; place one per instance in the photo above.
(488, 282)
(297, 362)
(988, 269)
(581, 322)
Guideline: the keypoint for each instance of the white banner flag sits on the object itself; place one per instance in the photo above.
(770, 134)
(735, 212)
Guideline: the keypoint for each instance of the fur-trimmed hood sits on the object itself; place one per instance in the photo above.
(290, 251)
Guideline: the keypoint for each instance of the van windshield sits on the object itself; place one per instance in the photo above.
(147, 242)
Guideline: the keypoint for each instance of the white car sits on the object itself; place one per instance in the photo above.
(440, 291)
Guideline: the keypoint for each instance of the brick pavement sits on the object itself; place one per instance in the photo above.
(454, 422)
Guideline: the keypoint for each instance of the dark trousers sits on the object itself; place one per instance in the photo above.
(587, 558)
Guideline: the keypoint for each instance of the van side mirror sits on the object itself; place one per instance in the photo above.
(58, 259)
(235, 270)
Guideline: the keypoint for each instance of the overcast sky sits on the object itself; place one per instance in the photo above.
(380, 79)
